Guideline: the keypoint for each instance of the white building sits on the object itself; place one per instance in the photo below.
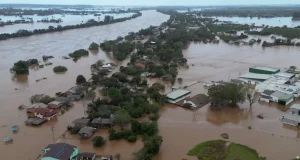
(292, 117)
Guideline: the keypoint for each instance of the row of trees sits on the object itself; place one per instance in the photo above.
(120, 50)
(107, 20)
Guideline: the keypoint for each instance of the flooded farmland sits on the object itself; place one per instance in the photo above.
(181, 129)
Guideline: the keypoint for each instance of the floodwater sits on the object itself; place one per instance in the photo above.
(181, 129)
(30, 140)
(276, 21)
(67, 20)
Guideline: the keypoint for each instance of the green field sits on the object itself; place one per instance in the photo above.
(217, 149)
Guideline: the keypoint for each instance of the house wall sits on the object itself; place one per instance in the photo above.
(274, 99)
(288, 102)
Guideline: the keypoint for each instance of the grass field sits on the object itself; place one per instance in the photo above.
(217, 149)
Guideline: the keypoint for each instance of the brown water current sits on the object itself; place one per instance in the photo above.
(181, 129)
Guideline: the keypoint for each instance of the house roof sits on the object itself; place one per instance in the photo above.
(61, 99)
(86, 130)
(286, 97)
(43, 111)
(97, 120)
(266, 69)
(268, 92)
(295, 106)
(255, 76)
(178, 93)
(85, 155)
(198, 99)
(61, 151)
(266, 97)
(277, 94)
(55, 103)
(81, 120)
(39, 105)
(285, 75)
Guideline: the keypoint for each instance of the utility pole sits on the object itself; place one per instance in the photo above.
(52, 129)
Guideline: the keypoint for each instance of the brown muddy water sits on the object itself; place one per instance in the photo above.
(181, 129)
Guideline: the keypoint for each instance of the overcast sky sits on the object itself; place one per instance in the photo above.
(154, 2)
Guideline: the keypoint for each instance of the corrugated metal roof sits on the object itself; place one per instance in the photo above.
(292, 117)
(285, 75)
(255, 76)
(178, 93)
(266, 69)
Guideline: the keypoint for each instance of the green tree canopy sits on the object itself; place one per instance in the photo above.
(80, 80)
(121, 118)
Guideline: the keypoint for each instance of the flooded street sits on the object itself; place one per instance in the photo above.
(181, 129)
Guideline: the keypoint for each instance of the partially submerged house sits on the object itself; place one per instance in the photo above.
(281, 98)
(103, 122)
(55, 105)
(177, 95)
(60, 151)
(76, 92)
(86, 132)
(196, 101)
(43, 113)
(80, 122)
(254, 78)
(292, 117)
(85, 156)
(38, 105)
(64, 151)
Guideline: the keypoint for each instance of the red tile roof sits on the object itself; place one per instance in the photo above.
(43, 111)
(140, 65)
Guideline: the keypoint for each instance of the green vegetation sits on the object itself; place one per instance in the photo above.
(60, 69)
(126, 134)
(144, 128)
(98, 141)
(79, 53)
(290, 33)
(120, 50)
(151, 147)
(217, 149)
(94, 46)
(154, 117)
(74, 130)
(229, 93)
(121, 118)
(227, 27)
(80, 80)
(20, 67)
(228, 38)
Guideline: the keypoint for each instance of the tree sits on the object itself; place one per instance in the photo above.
(90, 96)
(121, 118)
(98, 141)
(20, 67)
(252, 97)
(179, 80)
(60, 69)
(80, 80)
(94, 46)
(229, 93)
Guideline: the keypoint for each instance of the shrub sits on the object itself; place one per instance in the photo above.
(75, 130)
(80, 79)
(154, 117)
(79, 53)
(131, 138)
(20, 67)
(94, 46)
(59, 69)
(98, 141)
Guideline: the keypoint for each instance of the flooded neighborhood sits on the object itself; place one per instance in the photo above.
(152, 79)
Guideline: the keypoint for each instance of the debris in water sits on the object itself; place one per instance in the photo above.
(260, 116)
(249, 127)
(225, 135)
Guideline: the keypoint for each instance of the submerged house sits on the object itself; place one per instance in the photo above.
(55, 105)
(292, 117)
(103, 122)
(80, 122)
(86, 132)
